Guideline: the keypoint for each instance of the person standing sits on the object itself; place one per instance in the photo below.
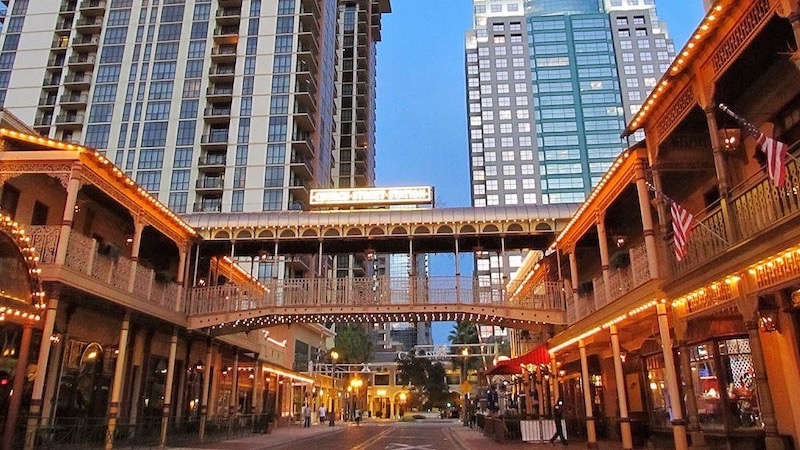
(322, 413)
(357, 416)
(558, 414)
(306, 416)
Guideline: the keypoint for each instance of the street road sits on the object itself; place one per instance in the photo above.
(382, 436)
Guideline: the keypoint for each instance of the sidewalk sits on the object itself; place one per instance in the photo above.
(473, 439)
(278, 436)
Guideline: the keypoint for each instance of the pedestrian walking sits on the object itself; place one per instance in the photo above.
(306, 416)
(357, 415)
(322, 413)
(558, 414)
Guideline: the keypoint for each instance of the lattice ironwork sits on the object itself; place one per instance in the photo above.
(741, 34)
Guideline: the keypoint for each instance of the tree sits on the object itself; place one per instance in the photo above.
(353, 344)
(427, 379)
(463, 333)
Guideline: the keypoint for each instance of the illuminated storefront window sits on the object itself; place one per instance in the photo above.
(724, 384)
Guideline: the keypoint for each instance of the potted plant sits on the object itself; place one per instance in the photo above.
(163, 276)
(109, 249)
(585, 288)
(620, 260)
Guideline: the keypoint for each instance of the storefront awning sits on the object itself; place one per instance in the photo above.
(511, 366)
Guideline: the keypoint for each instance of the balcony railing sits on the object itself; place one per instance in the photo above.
(355, 291)
(621, 281)
(756, 206)
(84, 256)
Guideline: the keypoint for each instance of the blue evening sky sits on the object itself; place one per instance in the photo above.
(421, 104)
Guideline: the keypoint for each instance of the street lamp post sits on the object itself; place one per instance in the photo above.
(334, 357)
(356, 383)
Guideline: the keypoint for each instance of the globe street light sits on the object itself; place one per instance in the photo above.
(334, 357)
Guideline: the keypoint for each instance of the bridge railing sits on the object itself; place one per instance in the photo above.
(372, 291)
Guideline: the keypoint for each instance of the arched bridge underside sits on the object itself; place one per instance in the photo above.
(229, 309)
(435, 230)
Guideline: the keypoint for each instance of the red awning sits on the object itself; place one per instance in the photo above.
(538, 355)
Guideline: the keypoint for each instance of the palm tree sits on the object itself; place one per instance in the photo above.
(463, 333)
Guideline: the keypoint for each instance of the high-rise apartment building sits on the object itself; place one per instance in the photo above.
(212, 105)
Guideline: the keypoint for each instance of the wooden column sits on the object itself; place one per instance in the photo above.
(138, 227)
(647, 220)
(602, 239)
(116, 387)
(20, 374)
(35, 411)
(772, 440)
(721, 167)
(73, 186)
(206, 386)
(619, 377)
(678, 424)
(591, 434)
(173, 351)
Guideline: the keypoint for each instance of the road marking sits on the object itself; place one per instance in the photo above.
(398, 446)
(374, 439)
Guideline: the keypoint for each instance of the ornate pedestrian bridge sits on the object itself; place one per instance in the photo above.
(302, 239)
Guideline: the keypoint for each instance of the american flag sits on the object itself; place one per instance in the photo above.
(681, 227)
(776, 152)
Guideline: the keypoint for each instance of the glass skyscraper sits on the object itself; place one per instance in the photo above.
(550, 84)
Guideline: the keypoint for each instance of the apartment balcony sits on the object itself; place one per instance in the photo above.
(211, 162)
(81, 62)
(301, 170)
(85, 44)
(223, 54)
(93, 7)
(63, 27)
(299, 189)
(309, 20)
(73, 101)
(59, 44)
(222, 74)
(305, 91)
(51, 82)
(208, 205)
(311, 6)
(307, 62)
(230, 3)
(226, 34)
(308, 40)
(212, 184)
(43, 121)
(219, 94)
(89, 25)
(78, 81)
(303, 146)
(68, 7)
(214, 141)
(228, 16)
(56, 63)
(304, 120)
(217, 115)
(48, 100)
(91, 268)
(70, 121)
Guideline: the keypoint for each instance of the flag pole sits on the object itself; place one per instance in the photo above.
(751, 129)
(713, 233)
